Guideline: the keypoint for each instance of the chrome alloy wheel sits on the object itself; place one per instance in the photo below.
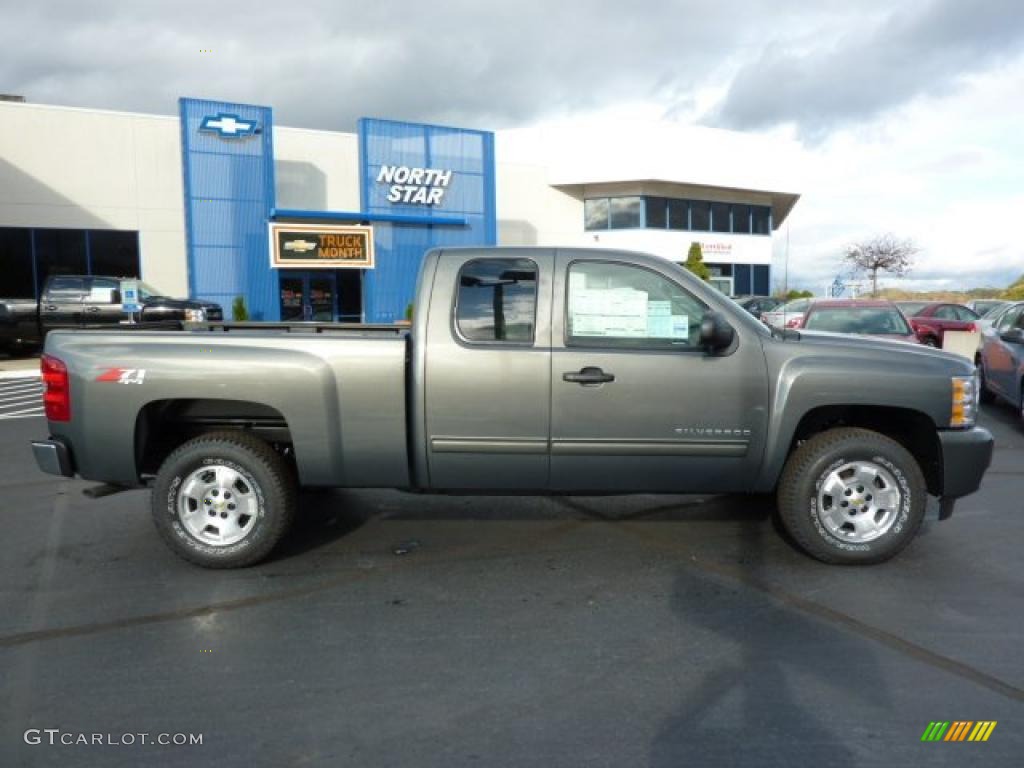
(218, 505)
(859, 501)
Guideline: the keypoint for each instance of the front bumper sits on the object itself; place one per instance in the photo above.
(53, 457)
(966, 454)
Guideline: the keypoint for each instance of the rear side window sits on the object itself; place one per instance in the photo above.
(496, 301)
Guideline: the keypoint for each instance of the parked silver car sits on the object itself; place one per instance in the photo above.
(1001, 366)
(790, 314)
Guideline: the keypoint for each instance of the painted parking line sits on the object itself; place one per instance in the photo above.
(20, 388)
(21, 399)
(26, 414)
(20, 402)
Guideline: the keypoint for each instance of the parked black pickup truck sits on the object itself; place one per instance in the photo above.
(78, 301)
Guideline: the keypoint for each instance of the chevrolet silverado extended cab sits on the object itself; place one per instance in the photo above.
(549, 371)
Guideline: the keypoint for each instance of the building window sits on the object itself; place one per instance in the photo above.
(59, 252)
(678, 214)
(114, 253)
(595, 212)
(700, 216)
(624, 212)
(623, 306)
(497, 300)
(675, 213)
(720, 217)
(762, 220)
(16, 263)
(29, 256)
(741, 219)
(655, 212)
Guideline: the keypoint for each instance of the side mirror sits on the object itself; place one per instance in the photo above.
(715, 332)
(1013, 336)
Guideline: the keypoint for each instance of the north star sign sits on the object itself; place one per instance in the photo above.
(228, 126)
(417, 186)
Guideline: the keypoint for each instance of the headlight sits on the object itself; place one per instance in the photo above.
(965, 401)
(195, 315)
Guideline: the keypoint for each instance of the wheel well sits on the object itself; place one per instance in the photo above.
(163, 425)
(912, 429)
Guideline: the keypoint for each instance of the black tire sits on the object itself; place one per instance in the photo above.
(266, 481)
(984, 394)
(815, 461)
(931, 341)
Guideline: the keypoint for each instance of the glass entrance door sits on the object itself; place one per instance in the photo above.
(308, 296)
(321, 304)
(293, 295)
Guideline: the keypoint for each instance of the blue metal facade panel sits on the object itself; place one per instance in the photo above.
(389, 287)
(229, 194)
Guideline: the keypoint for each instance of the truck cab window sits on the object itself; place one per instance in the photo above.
(496, 300)
(620, 305)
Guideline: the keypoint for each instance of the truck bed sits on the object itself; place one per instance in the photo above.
(339, 391)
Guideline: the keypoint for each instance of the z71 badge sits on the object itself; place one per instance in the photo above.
(123, 375)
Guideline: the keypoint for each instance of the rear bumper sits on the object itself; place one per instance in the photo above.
(53, 457)
(966, 455)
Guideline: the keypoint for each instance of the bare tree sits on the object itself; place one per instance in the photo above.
(885, 253)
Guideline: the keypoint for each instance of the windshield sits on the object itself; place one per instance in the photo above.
(147, 291)
(872, 321)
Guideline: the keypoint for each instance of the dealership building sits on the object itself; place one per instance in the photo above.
(218, 202)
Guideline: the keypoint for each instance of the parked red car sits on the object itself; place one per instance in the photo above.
(933, 320)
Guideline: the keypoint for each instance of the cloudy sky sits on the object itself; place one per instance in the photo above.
(908, 116)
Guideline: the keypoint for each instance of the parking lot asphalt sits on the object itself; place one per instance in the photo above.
(401, 630)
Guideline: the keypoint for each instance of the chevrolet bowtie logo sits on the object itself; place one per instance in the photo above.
(299, 245)
(228, 126)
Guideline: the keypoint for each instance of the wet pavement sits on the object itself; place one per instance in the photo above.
(401, 630)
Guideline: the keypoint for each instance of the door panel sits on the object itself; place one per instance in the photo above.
(102, 303)
(61, 305)
(672, 418)
(487, 376)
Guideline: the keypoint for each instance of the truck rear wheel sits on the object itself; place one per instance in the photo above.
(223, 500)
(851, 496)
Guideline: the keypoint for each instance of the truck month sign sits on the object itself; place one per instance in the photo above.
(321, 246)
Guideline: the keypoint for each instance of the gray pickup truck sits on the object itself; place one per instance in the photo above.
(527, 370)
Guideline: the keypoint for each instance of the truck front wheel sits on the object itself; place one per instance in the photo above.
(223, 500)
(851, 496)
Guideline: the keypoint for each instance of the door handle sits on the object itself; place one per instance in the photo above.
(50, 307)
(92, 309)
(588, 375)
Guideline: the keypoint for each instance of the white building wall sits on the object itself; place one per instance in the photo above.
(316, 170)
(73, 168)
(544, 174)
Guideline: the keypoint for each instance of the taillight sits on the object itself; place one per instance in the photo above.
(796, 322)
(56, 389)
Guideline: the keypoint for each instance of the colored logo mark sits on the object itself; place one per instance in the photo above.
(228, 126)
(959, 730)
